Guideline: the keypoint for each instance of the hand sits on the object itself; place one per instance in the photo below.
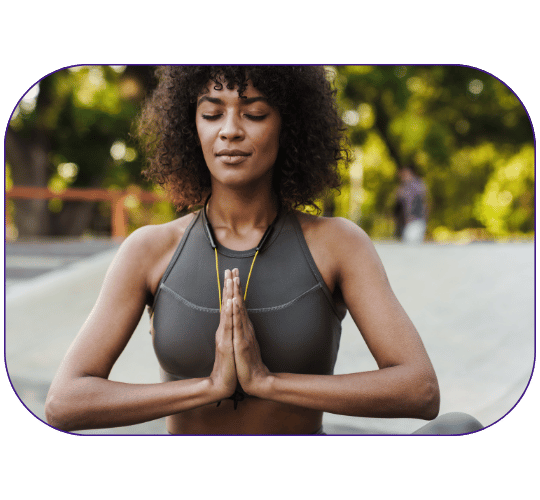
(223, 375)
(250, 369)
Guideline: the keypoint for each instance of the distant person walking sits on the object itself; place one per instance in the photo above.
(410, 210)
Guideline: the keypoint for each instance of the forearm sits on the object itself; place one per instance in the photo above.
(390, 392)
(93, 402)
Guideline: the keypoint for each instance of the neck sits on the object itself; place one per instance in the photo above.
(241, 211)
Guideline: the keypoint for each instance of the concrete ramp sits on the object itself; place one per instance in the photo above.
(44, 315)
(474, 308)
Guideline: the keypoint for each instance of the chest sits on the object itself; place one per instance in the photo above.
(293, 312)
(298, 336)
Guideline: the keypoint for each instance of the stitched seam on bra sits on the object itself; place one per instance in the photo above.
(287, 304)
(188, 303)
(260, 310)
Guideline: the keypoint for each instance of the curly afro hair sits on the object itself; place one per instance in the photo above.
(312, 139)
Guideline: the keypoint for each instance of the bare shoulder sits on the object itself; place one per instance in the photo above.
(336, 244)
(334, 232)
(151, 248)
(159, 237)
(342, 243)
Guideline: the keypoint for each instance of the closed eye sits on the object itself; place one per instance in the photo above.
(211, 117)
(256, 118)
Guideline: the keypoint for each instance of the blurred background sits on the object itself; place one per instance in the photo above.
(464, 131)
(74, 190)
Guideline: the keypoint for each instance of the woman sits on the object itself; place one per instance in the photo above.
(246, 294)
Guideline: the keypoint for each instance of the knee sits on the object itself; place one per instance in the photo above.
(452, 423)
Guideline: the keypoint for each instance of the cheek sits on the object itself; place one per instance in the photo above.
(203, 139)
(272, 141)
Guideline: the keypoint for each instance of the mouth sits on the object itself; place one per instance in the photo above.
(232, 156)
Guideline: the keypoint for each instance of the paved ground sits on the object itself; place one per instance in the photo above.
(473, 306)
(28, 259)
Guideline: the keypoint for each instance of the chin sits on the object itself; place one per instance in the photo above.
(239, 184)
(237, 179)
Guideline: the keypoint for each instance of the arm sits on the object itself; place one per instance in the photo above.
(81, 397)
(405, 384)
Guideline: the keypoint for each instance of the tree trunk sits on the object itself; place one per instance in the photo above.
(74, 219)
(29, 164)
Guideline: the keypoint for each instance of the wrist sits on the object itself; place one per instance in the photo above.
(263, 386)
(218, 389)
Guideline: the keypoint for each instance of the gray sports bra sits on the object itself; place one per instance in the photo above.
(296, 321)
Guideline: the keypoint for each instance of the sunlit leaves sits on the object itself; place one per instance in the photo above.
(83, 116)
(505, 206)
(460, 127)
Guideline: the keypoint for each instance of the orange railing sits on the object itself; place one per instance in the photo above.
(116, 198)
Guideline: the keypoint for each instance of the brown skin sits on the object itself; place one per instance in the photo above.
(405, 386)
(241, 208)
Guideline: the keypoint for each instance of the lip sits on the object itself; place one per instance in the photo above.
(232, 156)
(232, 152)
(232, 160)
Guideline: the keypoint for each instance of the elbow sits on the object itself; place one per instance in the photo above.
(429, 398)
(58, 413)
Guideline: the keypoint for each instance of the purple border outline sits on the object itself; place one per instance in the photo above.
(59, 431)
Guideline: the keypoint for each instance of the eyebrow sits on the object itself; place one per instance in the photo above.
(244, 100)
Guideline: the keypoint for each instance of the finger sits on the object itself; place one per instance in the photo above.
(226, 275)
(228, 287)
(226, 296)
(238, 325)
(228, 323)
(238, 294)
(234, 277)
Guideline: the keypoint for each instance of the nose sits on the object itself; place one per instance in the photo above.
(231, 128)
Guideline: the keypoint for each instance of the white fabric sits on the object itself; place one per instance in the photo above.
(414, 231)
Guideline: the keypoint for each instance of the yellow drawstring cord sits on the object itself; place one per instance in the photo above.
(218, 282)
(247, 283)
(249, 275)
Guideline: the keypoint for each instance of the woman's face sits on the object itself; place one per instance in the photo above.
(239, 136)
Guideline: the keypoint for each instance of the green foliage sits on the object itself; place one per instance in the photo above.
(506, 205)
(465, 132)
(85, 115)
